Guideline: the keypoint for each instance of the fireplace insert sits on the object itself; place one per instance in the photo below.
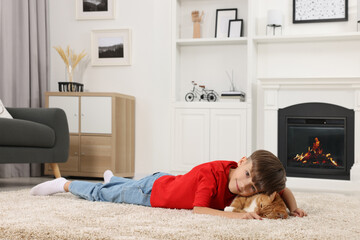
(316, 140)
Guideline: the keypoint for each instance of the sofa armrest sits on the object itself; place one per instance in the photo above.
(56, 119)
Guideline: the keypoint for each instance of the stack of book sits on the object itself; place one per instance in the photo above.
(233, 96)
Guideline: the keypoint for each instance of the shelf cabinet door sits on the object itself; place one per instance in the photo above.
(227, 134)
(96, 115)
(96, 154)
(70, 105)
(191, 138)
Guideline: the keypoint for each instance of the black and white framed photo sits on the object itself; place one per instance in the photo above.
(95, 9)
(309, 11)
(223, 16)
(111, 47)
(235, 28)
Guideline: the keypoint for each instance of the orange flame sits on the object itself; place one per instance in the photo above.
(315, 154)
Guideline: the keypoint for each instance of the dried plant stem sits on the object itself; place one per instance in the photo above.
(70, 58)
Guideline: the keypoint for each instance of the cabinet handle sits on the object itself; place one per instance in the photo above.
(75, 153)
(75, 115)
(83, 154)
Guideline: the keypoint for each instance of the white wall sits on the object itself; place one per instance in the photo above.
(148, 78)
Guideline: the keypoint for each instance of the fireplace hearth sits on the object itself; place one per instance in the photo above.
(316, 140)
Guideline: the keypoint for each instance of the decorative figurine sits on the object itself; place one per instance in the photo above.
(233, 94)
(196, 18)
(203, 94)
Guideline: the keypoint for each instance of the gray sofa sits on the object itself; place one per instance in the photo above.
(35, 135)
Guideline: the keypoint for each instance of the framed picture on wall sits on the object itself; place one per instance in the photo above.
(309, 11)
(111, 47)
(223, 16)
(95, 9)
(235, 28)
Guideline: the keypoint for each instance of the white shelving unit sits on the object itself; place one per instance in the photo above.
(206, 131)
(206, 60)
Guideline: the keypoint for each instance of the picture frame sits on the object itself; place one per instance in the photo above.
(95, 9)
(309, 11)
(235, 28)
(111, 47)
(223, 16)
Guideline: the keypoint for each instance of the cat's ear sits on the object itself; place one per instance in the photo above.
(272, 196)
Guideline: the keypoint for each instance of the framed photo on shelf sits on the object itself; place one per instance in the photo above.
(111, 47)
(95, 9)
(223, 16)
(235, 28)
(309, 11)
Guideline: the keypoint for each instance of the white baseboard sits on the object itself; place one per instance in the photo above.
(323, 185)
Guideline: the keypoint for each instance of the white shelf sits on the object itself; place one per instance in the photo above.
(349, 36)
(211, 105)
(211, 41)
(311, 82)
(310, 79)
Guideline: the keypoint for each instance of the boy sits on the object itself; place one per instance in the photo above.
(207, 188)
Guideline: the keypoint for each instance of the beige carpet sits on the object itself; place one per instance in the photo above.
(63, 216)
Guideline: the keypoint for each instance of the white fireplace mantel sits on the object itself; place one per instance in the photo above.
(280, 92)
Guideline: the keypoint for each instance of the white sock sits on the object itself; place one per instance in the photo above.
(108, 174)
(49, 187)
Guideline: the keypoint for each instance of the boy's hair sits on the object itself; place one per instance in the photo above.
(268, 173)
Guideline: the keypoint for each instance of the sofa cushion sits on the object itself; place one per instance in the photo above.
(22, 133)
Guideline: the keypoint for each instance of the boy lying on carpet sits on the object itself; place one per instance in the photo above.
(207, 189)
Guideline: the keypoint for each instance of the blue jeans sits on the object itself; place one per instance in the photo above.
(118, 190)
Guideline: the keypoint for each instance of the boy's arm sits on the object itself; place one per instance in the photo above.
(291, 204)
(215, 212)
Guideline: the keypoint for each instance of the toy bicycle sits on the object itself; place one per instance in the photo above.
(203, 94)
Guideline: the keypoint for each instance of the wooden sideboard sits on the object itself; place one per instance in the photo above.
(102, 133)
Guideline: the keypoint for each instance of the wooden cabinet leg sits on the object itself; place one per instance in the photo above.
(55, 168)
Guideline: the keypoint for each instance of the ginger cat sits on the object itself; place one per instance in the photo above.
(265, 206)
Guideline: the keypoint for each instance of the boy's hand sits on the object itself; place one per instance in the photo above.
(242, 215)
(215, 212)
(290, 202)
(250, 215)
(298, 212)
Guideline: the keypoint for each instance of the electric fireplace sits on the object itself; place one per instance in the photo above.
(316, 140)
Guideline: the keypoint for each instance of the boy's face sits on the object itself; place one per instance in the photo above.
(240, 179)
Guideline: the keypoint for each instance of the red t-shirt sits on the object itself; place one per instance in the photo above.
(205, 185)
